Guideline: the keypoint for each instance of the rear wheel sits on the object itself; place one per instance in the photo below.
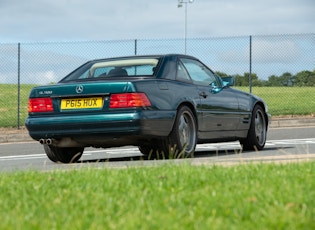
(150, 152)
(257, 133)
(183, 138)
(63, 155)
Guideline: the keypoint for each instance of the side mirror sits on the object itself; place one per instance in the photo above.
(228, 81)
(214, 88)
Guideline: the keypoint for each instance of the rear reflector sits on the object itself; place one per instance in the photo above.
(127, 100)
(40, 105)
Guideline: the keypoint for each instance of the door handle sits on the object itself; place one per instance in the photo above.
(203, 94)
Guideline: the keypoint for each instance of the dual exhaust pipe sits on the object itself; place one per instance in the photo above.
(62, 143)
(48, 141)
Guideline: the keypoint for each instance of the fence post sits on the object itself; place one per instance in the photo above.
(136, 43)
(19, 86)
(250, 64)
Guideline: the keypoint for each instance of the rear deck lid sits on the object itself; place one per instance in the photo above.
(77, 97)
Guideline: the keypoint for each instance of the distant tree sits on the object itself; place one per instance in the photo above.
(312, 78)
(244, 80)
(305, 78)
(286, 79)
(221, 74)
(255, 79)
(274, 80)
(260, 83)
(240, 80)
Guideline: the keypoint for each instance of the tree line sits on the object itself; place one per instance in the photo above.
(303, 78)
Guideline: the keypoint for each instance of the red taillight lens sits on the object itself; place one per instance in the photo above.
(127, 100)
(40, 105)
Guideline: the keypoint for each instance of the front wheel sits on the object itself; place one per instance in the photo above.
(63, 155)
(257, 133)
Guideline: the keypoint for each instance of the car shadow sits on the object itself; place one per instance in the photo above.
(198, 155)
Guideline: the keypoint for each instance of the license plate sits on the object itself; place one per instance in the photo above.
(82, 103)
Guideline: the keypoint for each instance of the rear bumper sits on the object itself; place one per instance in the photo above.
(140, 123)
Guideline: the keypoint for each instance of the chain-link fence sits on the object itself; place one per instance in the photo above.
(255, 60)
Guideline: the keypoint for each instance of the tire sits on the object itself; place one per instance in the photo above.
(150, 152)
(63, 155)
(257, 133)
(183, 138)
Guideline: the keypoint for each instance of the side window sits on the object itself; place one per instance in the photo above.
(199, 73)
(182, 74)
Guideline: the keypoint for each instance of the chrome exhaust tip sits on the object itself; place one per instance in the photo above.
(49, 141)
(42, 141)
(46, 141)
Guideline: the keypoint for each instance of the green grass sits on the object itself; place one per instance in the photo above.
(254, 196)
(280, 101)
(9, 104)
(287, 100)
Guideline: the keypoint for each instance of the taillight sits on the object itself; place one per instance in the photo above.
(127, 100)
(40, 105)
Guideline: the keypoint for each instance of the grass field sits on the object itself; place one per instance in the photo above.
(254, 196)
(9, 104)
(287, 100)
(280, 101)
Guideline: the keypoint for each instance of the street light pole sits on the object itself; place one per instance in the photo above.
(180, 4)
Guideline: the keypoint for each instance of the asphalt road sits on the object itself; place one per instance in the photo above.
(283, 145)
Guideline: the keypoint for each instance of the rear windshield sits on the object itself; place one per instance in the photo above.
(101, 69)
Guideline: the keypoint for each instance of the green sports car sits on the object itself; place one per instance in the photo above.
(155, 102)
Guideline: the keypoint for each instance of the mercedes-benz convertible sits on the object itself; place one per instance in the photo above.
(155, 102)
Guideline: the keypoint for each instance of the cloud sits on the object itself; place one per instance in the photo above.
(263, 51)
(281, 51)
(39, 63)
(58, 20)
(42, 63)
(40, 77)
(111, 22)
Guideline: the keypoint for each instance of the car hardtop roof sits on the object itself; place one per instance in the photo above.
(143, 56)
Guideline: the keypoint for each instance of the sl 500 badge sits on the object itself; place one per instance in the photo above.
(45, 92)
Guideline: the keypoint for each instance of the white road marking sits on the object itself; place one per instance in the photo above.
(23, 157)
(201, 147)
(292, 142)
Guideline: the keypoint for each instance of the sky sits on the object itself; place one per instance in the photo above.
(57, 36)
(84, 20)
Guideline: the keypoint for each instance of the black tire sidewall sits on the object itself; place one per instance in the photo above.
(175, 138)
(63, 155)
(251, 142)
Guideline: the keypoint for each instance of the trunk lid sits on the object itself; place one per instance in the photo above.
(82, 89)
(81, 97)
